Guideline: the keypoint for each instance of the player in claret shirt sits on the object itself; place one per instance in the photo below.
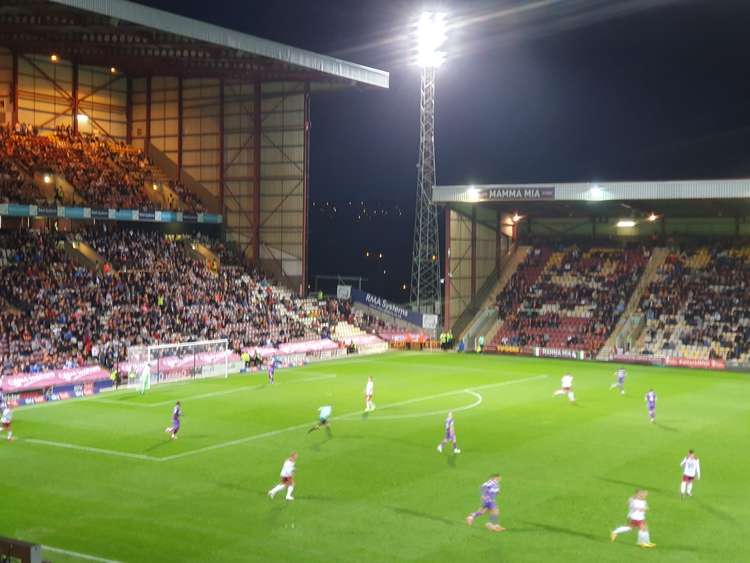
(637, 508)
(287, 478)
(566, 387)
(369, 393)
(691, 469)
(490, 490)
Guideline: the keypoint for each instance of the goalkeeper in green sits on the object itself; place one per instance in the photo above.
(145, 379)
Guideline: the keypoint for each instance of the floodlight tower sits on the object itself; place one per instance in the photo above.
(425, 266)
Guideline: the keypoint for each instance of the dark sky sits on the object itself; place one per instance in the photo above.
(532, 91)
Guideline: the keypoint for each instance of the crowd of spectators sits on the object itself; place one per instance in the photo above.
(62, 314)
(698, 304)
(571, 298)
(103, 172)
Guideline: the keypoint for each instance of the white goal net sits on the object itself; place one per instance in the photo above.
(162, 363)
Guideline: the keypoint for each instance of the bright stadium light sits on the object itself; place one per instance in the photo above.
(596, 193)
(653, 217)
(472, 193)
(516, 217)
(82, 118)
(625, 223)
(431, 37)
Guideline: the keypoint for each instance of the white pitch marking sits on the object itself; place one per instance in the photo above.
(89, 449)
(281, 430)
(475, 404)
(78, 555)
(343, 416)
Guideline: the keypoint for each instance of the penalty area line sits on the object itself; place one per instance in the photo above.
(67, 446)
(78, 555)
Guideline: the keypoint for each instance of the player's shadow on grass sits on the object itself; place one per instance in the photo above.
(665, 427)
(424, 515)
(720, 514)
(234, 487)
(567, 532)
(157, 445)
(452, 460)
(633, 485)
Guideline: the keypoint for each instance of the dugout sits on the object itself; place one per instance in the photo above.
(485, 223)
(225, 112)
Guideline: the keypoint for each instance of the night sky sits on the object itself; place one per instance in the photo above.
(532, 91)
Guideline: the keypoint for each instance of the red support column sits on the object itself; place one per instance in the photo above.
(257, 124)
(447, 279)
(473, 251)
(306, 188)
(180, 112)
(14, 90)
(148, 114)
(74, 98)
(129, 111)
(221, 148)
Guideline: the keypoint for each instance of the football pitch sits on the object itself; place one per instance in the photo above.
(98, 478)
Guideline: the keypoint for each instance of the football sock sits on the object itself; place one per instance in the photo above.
(622, 529)
(289, 492)
(683, 487)
(690, 488)
(276, 489)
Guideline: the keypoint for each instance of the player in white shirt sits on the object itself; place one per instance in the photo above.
(369, 393)
(7, 420)
(287, 478)
(566, 387)
(637, 508)
(691, 469)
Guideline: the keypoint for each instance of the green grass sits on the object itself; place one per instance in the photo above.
(377, 490)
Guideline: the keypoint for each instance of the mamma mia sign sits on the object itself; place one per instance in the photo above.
(393, 310)
(517, 193)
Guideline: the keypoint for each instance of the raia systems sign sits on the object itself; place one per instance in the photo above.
(515, 193)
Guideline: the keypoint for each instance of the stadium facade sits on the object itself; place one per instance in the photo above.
(226, 113)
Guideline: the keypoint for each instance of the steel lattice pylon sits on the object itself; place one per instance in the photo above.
(425, 266)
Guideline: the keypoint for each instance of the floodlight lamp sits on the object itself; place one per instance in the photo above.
(596, 193)
(472, 193)
(517, 217)
(430, 38)
(47, 179)
(653, 217)
(625, 223)
(82, 118)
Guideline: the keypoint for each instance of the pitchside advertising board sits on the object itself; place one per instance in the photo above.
(510, 193)
(398, 312)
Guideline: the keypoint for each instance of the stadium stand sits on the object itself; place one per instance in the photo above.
(103, 173)
(569, 298)
(62, 314)
(698, 306)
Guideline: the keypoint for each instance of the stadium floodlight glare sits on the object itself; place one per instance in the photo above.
(82, 118)
(625, 223)
(431, 37)
(653, 217)
(596, 193)
(516, 217)
(472, 193)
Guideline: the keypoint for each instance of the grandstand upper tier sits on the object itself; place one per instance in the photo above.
(120, 106)
(654, 271)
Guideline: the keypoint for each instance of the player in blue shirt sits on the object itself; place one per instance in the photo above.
(490, 490)
(450, 435)
(620, 383)
(176, 414)
(651, 402)
(271, 370)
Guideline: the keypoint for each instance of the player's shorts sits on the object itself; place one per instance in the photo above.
(450, 436)
(287, 480)
(687, 478)
(489, 504)
(567, 389)
(323, 421)
(637, 523)
(6, 425)
(368, 397)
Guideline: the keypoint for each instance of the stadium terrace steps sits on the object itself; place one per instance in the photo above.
(569, 298)
(658, 256)
(481, 324)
